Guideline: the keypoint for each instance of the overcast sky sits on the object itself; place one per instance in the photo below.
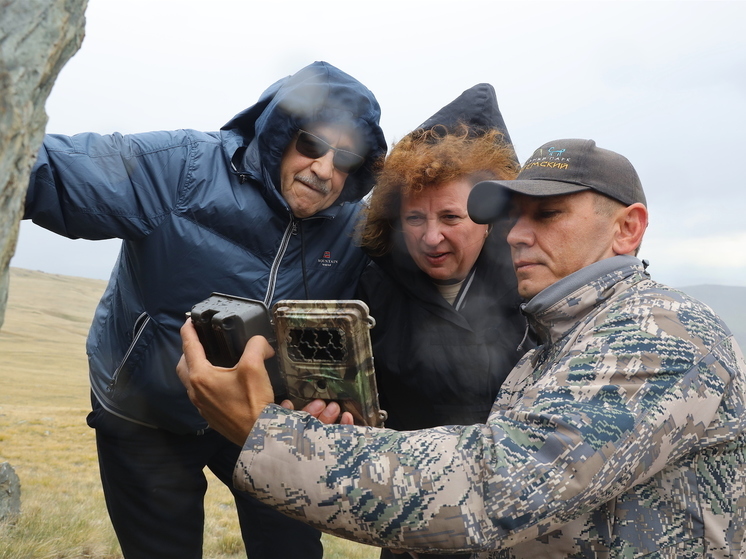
(663, 83)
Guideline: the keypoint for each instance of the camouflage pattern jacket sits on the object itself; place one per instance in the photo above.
(623, 435)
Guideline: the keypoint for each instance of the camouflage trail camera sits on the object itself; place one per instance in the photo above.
(323, 348)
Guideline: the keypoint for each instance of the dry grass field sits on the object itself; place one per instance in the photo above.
(44, 399)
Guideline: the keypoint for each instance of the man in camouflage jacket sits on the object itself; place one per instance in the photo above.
(622, 435)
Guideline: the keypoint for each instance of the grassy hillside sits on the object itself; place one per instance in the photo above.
(44, 399)
(42, 341)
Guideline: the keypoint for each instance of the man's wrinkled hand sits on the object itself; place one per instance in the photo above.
(326, 413)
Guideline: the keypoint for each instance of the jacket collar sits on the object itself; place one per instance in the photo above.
(557, 309)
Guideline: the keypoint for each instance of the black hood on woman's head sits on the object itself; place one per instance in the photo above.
(476, 108)
(317, 93)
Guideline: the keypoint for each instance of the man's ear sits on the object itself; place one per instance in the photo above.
(631, 224)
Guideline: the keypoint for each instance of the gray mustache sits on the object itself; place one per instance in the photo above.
(314, 182)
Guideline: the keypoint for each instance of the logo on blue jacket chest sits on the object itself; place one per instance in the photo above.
(326, 260)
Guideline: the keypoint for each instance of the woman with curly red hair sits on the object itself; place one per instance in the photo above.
(441, 287)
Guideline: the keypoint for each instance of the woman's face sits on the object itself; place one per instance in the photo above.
(439, 235)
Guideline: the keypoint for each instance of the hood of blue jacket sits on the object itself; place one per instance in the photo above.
(319, 92)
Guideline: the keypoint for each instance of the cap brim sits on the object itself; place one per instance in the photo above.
(488, 200)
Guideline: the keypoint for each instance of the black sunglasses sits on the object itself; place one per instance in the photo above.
(314, 147)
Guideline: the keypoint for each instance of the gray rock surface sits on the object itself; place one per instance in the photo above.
(37, 38)
(10, 493)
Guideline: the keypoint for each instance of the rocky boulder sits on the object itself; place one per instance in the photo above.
(10, 493)
(37, 38)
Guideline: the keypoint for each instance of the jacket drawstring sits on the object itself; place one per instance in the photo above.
(525, 338)
(526, 331)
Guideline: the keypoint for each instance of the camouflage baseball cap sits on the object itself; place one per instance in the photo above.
(560, 167)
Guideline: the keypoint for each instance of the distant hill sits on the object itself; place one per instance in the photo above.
(727, 301)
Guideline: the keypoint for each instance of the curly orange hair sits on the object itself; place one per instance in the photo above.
(426, 159)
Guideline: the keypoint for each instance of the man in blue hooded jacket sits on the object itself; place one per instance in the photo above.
(262, 209)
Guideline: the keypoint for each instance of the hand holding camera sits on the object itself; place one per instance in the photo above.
(323, 348)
